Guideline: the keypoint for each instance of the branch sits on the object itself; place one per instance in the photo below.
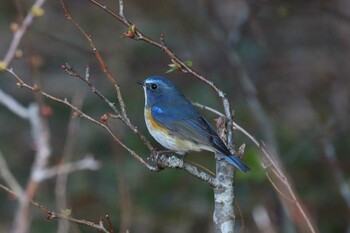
(9, 177)
(40, 136)
(164, 161)
(61, 181)
(270, 162)
(13, 105)
(52, 214)
(124, 117)
(172, 162)
(17, 37)
(137, 35)
(80, 113)
(88, 163)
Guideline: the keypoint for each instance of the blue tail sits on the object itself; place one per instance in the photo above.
(236, 163)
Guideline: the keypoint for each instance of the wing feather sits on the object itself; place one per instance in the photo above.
(191, 126)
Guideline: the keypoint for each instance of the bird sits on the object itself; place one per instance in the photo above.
(174, 122)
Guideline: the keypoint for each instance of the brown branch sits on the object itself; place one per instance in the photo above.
(271, 163)
(124, 117)
(139, 36)
(81, 114)
(161, 162)
(52, 214)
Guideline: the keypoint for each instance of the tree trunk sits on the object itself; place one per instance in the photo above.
(224, 215)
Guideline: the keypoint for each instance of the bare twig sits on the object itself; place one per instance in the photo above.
(270, 162)
(87, 163)
(41, 139)
(61, 181)
(138, 35)
(39, 169)
(52, 214)
(225, 208)
(9, 178)
(110, 226)
(17, 37)
(34, 88)
(105, 69)
(163, 161)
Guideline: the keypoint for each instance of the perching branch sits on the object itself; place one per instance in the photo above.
(136, 34)
(185, 166)
(270, 164)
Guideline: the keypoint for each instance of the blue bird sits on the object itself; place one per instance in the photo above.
(175, 123)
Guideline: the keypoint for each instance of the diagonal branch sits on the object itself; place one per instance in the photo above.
(9, 178)
(139, 36)
(52, 214)
(34, 88)
(172, 162)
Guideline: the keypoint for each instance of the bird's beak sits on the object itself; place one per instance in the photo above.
(142, 83)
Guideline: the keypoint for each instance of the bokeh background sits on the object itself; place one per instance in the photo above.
(284, 66)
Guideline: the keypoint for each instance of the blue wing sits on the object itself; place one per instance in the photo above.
(188, 124)
(185, 122)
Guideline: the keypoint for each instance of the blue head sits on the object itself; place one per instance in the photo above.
(161, 91)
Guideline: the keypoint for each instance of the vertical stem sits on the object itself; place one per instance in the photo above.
(224, 215)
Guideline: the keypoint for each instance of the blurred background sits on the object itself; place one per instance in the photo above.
(283, 65)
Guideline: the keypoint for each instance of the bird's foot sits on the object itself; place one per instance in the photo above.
(157, 153)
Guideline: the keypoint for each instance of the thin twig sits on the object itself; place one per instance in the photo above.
(61, 181)
(164, 161)
(52, 214)
(123, 117)
(105, 69)
(9, 178)
(275, 168)
(138, 35)
(87, 163)
(81, 114)
(18, 35)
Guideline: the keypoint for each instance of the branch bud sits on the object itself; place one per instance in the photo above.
(37, 11)
(3, 65)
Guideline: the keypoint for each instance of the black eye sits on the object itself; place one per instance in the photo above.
(154, 86)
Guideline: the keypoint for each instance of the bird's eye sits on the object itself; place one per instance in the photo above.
(154, 86)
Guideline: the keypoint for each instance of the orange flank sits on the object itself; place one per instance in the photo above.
(151, 122)
(169, 140)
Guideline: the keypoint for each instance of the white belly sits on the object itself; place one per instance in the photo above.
(168, 140)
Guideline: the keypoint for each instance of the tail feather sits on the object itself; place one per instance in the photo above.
(237, 163)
